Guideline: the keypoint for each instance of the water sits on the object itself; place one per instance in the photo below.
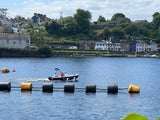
(143, 72)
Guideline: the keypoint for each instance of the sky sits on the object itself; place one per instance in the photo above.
(133, 9)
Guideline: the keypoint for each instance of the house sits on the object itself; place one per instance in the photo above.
(124, 45)
(132, 45)
(100, 45)
(38, 19)
(116, 44)
(86, 45)
(109, 46)
(14, 41)
(138, 46)
(154, 46)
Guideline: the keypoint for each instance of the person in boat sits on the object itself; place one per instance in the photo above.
(55, 75)
(65, 74)
(62, 75)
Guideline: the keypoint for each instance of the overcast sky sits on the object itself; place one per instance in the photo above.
(133, 9)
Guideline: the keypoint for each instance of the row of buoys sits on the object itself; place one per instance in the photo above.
(5, 70)
(48, 87)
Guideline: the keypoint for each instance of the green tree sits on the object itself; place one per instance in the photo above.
(52, 27)
(106, 33)
(101, 19)
(118, 33)
(156, 19)
(82, 18)
(37, 35)
(69, 25)
(118, 17)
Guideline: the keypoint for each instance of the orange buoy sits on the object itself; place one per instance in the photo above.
(13, 70)
(5, 70)
(133, 89)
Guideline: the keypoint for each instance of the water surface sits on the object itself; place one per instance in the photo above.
(143, 72)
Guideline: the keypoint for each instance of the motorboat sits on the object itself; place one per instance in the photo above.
(59, 76)
(64, 78)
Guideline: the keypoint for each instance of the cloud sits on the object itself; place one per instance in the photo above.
(135, 9)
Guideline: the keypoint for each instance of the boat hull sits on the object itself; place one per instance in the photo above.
(65, 78)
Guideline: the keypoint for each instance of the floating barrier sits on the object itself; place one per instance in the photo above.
(5, 86)
(90, 88)
(133, 89)
(47, 87)
(112, 89)
(5, 70)
(26, 86)
(69, 88)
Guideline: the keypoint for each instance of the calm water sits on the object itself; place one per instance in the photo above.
(143, 72)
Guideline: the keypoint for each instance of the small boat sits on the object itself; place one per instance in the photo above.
(59, 76)
(65, 78)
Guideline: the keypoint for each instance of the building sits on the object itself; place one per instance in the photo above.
(14, 41)
(87, 45)
(100, 45)
(109, 46)
(125, 45)
(138, 46)
(38, 19)
(152, 46)
(116, 44)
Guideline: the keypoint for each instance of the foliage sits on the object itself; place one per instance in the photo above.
(156, 19)
(101, 19)
(44, 51)
(82, 18)
(118, 33)
(37, 35)
(77, 27)
(69, 25)
(118, 16)
(134, 116)
(52, 27)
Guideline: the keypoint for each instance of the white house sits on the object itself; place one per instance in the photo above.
(14, 41)
(154, 46)
(100, 45)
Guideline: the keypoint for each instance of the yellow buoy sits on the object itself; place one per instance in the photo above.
(26, 86)
(5, 70)
(13, 70)
(133, 89)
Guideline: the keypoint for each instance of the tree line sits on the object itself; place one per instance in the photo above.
(79, 27)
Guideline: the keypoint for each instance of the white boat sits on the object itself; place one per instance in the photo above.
(154, 56)
(63, 77)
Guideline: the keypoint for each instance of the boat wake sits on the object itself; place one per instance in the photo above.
(23, 79)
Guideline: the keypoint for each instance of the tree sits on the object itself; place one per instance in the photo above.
(82, 18)
(52, 27)
(18, 17)
(118, 17)
(101, 19)
(118, 33)
(69, 25)
(37, 35)
(156, 19)
(106, 33)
